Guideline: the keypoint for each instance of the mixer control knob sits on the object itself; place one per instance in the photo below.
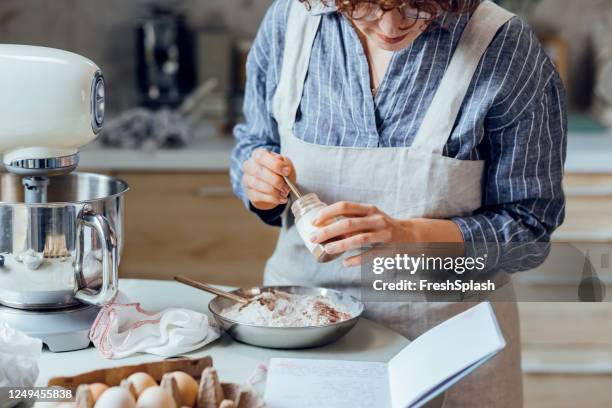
(100, 92)
(98, 105)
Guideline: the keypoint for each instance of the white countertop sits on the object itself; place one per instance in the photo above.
(368, 341)
(208, 155)
(586, 153)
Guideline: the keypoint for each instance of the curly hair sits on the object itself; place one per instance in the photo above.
(431, 8)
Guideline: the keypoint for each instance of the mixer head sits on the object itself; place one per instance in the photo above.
(52, 104)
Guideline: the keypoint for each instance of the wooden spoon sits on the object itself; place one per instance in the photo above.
(211, 289)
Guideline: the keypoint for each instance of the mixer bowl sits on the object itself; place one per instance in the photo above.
(76, 237)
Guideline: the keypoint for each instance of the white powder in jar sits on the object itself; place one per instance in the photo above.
(306, 209)
(306, 229)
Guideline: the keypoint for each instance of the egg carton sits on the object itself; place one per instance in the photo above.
(211, 393)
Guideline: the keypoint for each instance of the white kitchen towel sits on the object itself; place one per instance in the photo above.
(19, 355)
(124, 329)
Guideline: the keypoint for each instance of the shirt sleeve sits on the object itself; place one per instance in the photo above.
(525, 149)
(259, 129)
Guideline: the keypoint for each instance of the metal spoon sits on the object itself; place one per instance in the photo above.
(294, 189)
(211, 289)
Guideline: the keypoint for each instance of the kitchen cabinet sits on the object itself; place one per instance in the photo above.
(566, 325)
(567, 391)
(588, 209)
(567, 347)
(192, 224)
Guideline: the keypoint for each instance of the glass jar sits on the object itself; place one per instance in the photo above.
(305, 209)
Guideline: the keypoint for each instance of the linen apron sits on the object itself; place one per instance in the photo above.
(404, 182)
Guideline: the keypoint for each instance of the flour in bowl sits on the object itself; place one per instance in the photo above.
(281, 309)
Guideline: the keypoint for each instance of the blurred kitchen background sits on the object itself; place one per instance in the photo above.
(175, 74)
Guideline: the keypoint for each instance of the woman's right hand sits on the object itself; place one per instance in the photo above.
(263, 179)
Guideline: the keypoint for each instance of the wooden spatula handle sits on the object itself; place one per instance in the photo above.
(211, 289)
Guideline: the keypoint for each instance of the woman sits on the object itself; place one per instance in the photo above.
(420, 121)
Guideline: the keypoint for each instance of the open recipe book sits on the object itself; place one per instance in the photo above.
(422, 370)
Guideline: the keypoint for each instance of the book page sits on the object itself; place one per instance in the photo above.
(303, 383)
(443, 355)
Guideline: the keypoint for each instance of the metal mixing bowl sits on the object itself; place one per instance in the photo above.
(288, 337)
(78, 233)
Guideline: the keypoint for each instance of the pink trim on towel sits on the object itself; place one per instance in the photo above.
(99, 332)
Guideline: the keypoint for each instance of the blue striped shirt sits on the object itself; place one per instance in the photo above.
(513, 116)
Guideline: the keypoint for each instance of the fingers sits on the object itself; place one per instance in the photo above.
(258, 185)
(289, 164)
(263, 181)
(358, 241)
(355, 260)
(344, 209)
(254, 170)
(272, 161)
(264, 201)
(346, 226)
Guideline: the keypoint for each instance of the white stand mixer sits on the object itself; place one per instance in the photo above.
(61, 233)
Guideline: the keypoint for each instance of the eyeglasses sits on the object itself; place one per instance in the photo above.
(371, 11)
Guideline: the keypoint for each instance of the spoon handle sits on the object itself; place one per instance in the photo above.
(211, 289)
(294, 189)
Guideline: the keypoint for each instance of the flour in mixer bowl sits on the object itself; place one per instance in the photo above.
(280, 309)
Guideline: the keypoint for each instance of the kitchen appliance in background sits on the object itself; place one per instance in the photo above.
(61, 233)
(165, 59)
(214, 65)
(243, 48)
(603, 78)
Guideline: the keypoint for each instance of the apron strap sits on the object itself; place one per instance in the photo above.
(440, 119)
(301, 31)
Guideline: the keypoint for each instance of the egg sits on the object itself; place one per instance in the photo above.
(130, 387)
(141, 382)
(156, 397)
(227, 404)
(83, 397)
(97, 389)
(116, 397)
(188, 387)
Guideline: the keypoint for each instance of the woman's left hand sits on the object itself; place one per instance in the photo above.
(362, 225)
(356, 225)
